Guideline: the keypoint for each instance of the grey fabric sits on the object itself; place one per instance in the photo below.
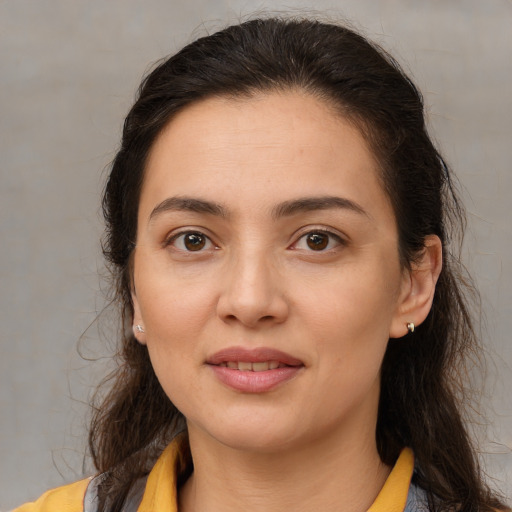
(89, 500)
(416, 500)
(90, 504)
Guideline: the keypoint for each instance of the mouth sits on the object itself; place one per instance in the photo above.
(254, 359)
(247, 366)
(255, 370)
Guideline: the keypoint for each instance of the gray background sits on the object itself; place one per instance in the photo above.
(68, 72)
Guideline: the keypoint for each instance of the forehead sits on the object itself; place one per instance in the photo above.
(276, 120)
(255, 149)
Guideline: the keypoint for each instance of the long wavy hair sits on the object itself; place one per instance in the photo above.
(422, 388)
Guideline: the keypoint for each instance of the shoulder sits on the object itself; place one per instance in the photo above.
(82, 496)
(68, 498)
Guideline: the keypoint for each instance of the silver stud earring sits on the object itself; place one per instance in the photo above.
(410, 327)
(140, 328)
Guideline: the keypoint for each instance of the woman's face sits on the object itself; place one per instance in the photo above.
(266, 272)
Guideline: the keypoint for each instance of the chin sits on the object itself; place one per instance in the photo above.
(249, 434)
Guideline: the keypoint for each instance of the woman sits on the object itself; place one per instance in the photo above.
(278, 223)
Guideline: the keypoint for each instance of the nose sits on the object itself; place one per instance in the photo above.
(253, 293)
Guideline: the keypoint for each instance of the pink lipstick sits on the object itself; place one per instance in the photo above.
(253, 370)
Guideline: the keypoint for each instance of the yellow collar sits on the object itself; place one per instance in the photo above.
(161, 487)
(393, 495)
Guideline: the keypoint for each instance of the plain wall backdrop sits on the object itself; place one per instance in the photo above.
(68, 73)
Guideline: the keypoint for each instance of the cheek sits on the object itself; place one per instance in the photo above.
(349, 317)
(353, 301)
(175, 319)
(175, 311)
(173, 303)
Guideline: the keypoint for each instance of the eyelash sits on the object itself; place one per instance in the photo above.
(209, 244)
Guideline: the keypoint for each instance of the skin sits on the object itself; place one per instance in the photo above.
(256, 282)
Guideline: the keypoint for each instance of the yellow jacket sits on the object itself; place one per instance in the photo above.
(160, 494)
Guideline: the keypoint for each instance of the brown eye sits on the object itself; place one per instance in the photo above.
(317, 241)
(191, 241)
(194, 241)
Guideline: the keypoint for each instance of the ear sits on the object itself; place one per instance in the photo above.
(140, 336)
(418, 288)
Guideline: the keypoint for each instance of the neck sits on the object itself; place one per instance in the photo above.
(323, 475)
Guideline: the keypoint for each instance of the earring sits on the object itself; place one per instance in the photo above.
(410, 327)
(139, 328)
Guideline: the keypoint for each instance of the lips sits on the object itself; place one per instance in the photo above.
(253, 370)
(255, 355)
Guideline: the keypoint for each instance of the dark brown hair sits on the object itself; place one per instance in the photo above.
(421, 388)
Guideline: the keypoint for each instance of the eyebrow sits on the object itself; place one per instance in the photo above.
(307, 204)
(188, 204)
(285, 209)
